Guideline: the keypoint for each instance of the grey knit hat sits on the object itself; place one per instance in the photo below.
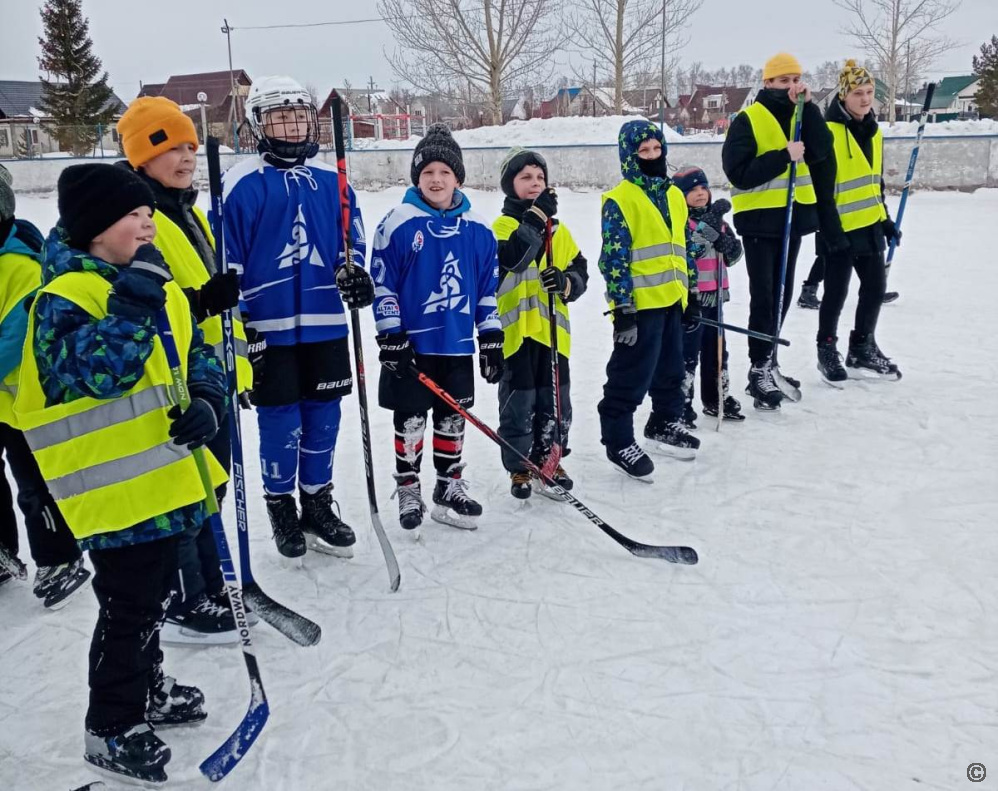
(438, 145)
(7, 202)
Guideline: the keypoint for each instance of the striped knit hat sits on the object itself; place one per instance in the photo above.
(851, 77)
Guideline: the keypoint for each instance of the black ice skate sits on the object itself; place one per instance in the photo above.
(54, 585)
(560, 477)
(172, 704)
(808, 297)
(766, 395)
(137, 753)
(452, 506)
(890, 296)
(411, 505)
(221, 599)
(324, 530)
(283, 513)
(519, 485)
(207, 622)
(865, 356)
(671, 439)
(732, 409)
(830, 363)
(632, 461)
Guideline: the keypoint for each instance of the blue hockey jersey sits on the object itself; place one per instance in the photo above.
(284, 236)
(435, 275)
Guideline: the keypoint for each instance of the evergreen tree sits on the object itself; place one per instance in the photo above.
(78, 97)
(986, 68)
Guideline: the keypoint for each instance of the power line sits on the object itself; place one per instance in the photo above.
(312, 24)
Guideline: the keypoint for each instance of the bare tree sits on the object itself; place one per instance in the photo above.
(627, 34)
(314, 93)
(746, 76)
(827, 75)
(899, 36)
(485, 47)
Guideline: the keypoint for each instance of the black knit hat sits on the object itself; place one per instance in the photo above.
(517, 159)
(689, 177)
(92, 198)
(438, 145)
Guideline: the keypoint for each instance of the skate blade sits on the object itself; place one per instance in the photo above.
(646, 479)
(788, 390)
(79, 583)
(869, 375)
(446, 516)
(540, 488)
(832, 382)
(167, 726)
(154, 779)
(317, 544)
(672, 452)
(738, 418)
(180, 636)
(762, 406)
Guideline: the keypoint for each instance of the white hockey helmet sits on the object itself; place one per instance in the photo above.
(275, 93)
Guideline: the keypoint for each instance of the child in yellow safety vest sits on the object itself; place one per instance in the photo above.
(96, 403)
(526, 279)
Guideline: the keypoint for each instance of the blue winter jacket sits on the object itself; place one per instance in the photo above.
(24, 239)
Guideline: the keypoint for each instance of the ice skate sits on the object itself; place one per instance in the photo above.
(633, 462)
(136, 753)
(519, 485)
(324, 530)
(172, 704)
(868, 361)
(411, 505)
(55, 585)
(830, 363)
(765, 394)
(283, 513)
(207, 623)
(808, 297)
(671, 439)
(732, 409)
(452, 506)
(560, 477)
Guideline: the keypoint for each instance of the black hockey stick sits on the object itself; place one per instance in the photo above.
(394, 575)
(292, 625)
(751, 333)
(673, 554)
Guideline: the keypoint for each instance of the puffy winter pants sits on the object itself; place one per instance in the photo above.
(762, 262)
(872, 285)
(131, 584)
(49, 538)
(526, 404)
(653, 365)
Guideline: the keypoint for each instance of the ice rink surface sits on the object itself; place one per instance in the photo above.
(839, 632)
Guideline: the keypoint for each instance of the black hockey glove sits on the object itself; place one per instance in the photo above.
(220, 293)
(544, 207)
(138, 291)
(714, 216)
(691, 316)
(625, 325)
(196, 426)
(256, 347)
(728, 245)
(490, 357)
(553, 280)
(396, 353)
(356, 288)
(891, 232)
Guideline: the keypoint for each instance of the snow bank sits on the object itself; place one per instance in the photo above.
(986, 126)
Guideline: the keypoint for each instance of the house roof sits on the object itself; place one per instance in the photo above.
(184, 88)
(19, 97)
(152, 89)
(643, 97)
(947, 90)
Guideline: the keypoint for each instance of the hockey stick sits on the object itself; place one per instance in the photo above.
(551, 463)
(720, 340)
(292, 625)
(673, 554)
(784, 386)
(394, 575)
(743, 331)
(217, 765)
(13, 564)
(922, 118)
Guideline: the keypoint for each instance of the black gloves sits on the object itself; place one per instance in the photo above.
(728, 245)
(691, 316)
(553, 280)
(891, 232)
(256, 345)
(396, 353)
(490, 357)
(544, 207)
(138, 290)
(625, 325)
(714, 218)
(220, 293)
(194, 427)
(356, 288)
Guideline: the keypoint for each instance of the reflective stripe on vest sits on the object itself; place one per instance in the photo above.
(769, 136)
(858, 197)
(110, 463)
(190, 272)
(658, 257)
(521, 302)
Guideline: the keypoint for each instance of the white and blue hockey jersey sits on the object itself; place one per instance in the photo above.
(283, 234)
(435, 275)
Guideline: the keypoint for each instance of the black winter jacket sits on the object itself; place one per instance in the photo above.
(745, 170)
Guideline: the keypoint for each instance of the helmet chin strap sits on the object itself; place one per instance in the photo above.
(282, 154)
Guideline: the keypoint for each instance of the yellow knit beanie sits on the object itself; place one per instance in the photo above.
(152, 125)
(779, 64)
(851, 77)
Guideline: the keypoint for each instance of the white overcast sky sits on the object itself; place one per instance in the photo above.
(140, 40)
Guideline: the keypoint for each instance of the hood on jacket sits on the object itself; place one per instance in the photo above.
(461, 203)
(23, 239)
(632, 135)
(59, 258)
(863, 130)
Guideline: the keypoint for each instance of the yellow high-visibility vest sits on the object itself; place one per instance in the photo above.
(523, 304)
(773, 194)
(858, 197)
(658, 253)
(110, 463)
(189, 272)
(20, 277)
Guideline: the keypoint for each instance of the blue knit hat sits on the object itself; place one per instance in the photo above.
(687, 178)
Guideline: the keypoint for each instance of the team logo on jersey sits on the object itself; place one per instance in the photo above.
(417, 242)
(442, 230)
(389, 306)
(449, 295)
(299, 249)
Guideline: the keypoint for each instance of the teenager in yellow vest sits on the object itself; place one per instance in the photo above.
(651, 286)
(526, 393)
(160, 143)
(855, 230)
(756, 157)
(95, 403)
(58, 560)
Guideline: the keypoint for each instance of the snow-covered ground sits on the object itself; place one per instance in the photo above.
(838, 633)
